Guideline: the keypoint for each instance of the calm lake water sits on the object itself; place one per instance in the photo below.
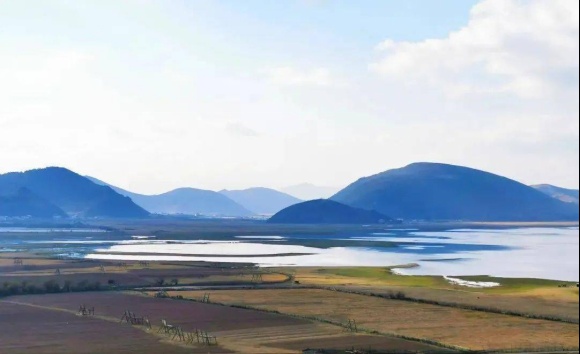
(550, 253)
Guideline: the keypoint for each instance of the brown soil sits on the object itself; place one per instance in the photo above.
(240, 330)
(31, 330)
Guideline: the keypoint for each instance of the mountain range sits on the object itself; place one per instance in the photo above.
(434, 191)
(56, 191)
(420, 191)
(191, 201)
(186, 201)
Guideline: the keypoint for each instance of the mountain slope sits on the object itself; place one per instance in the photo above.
(324, 211)
(25, 203)
(263, 201)
(187, 201)
(562, 194)
(192, 201)
(432, 191)
(121, 191)
(307, 191)
(72, 193)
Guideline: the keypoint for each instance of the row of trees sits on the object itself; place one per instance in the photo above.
(48, 287)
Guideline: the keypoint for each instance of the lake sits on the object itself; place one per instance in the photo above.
(549, 253)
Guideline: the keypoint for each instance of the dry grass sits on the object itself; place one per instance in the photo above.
(525, 296)
(227, 279)
(7, 260)
(558, 303)
(463, 328)
(569, 295)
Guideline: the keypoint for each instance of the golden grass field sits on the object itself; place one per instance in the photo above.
(451, 326)
(527, 296)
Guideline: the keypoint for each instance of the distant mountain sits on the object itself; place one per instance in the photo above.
(432, 191)
(324, 211)
(71, 193)
(562, 194)
(307, 191)
(186, 201)
(121, 191)
(263, 201)
(23, 202)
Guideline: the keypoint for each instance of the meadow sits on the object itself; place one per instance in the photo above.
(474, 330)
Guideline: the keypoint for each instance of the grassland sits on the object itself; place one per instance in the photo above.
(386, 277)
(528, 297)
(456, 327)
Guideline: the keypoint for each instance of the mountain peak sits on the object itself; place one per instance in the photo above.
(324, 211)
(436, 191)
(75, 194)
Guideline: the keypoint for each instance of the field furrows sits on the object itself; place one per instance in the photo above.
(272, 335)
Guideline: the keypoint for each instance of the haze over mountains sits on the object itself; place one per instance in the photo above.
(563, 194)
(434, 191)
(262, 201)
(186, 201)
(57, 191)
(192, 201)
(307, 191)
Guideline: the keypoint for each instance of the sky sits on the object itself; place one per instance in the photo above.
(153, 95)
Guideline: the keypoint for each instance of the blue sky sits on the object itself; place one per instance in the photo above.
(153, 95)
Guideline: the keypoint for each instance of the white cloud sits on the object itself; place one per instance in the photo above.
(213, 118)
(289, 76)
(240, 129)
(527, 48)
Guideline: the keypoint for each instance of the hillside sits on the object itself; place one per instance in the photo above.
(562, 194)
(432, 191)
(324, 211)
(263, 201)
(72, 193)
(23, 202)
(185, 201)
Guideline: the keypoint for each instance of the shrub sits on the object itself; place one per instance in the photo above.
(52, 286)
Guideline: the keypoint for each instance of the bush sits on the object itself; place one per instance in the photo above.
(48, 287)
(52, 286)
